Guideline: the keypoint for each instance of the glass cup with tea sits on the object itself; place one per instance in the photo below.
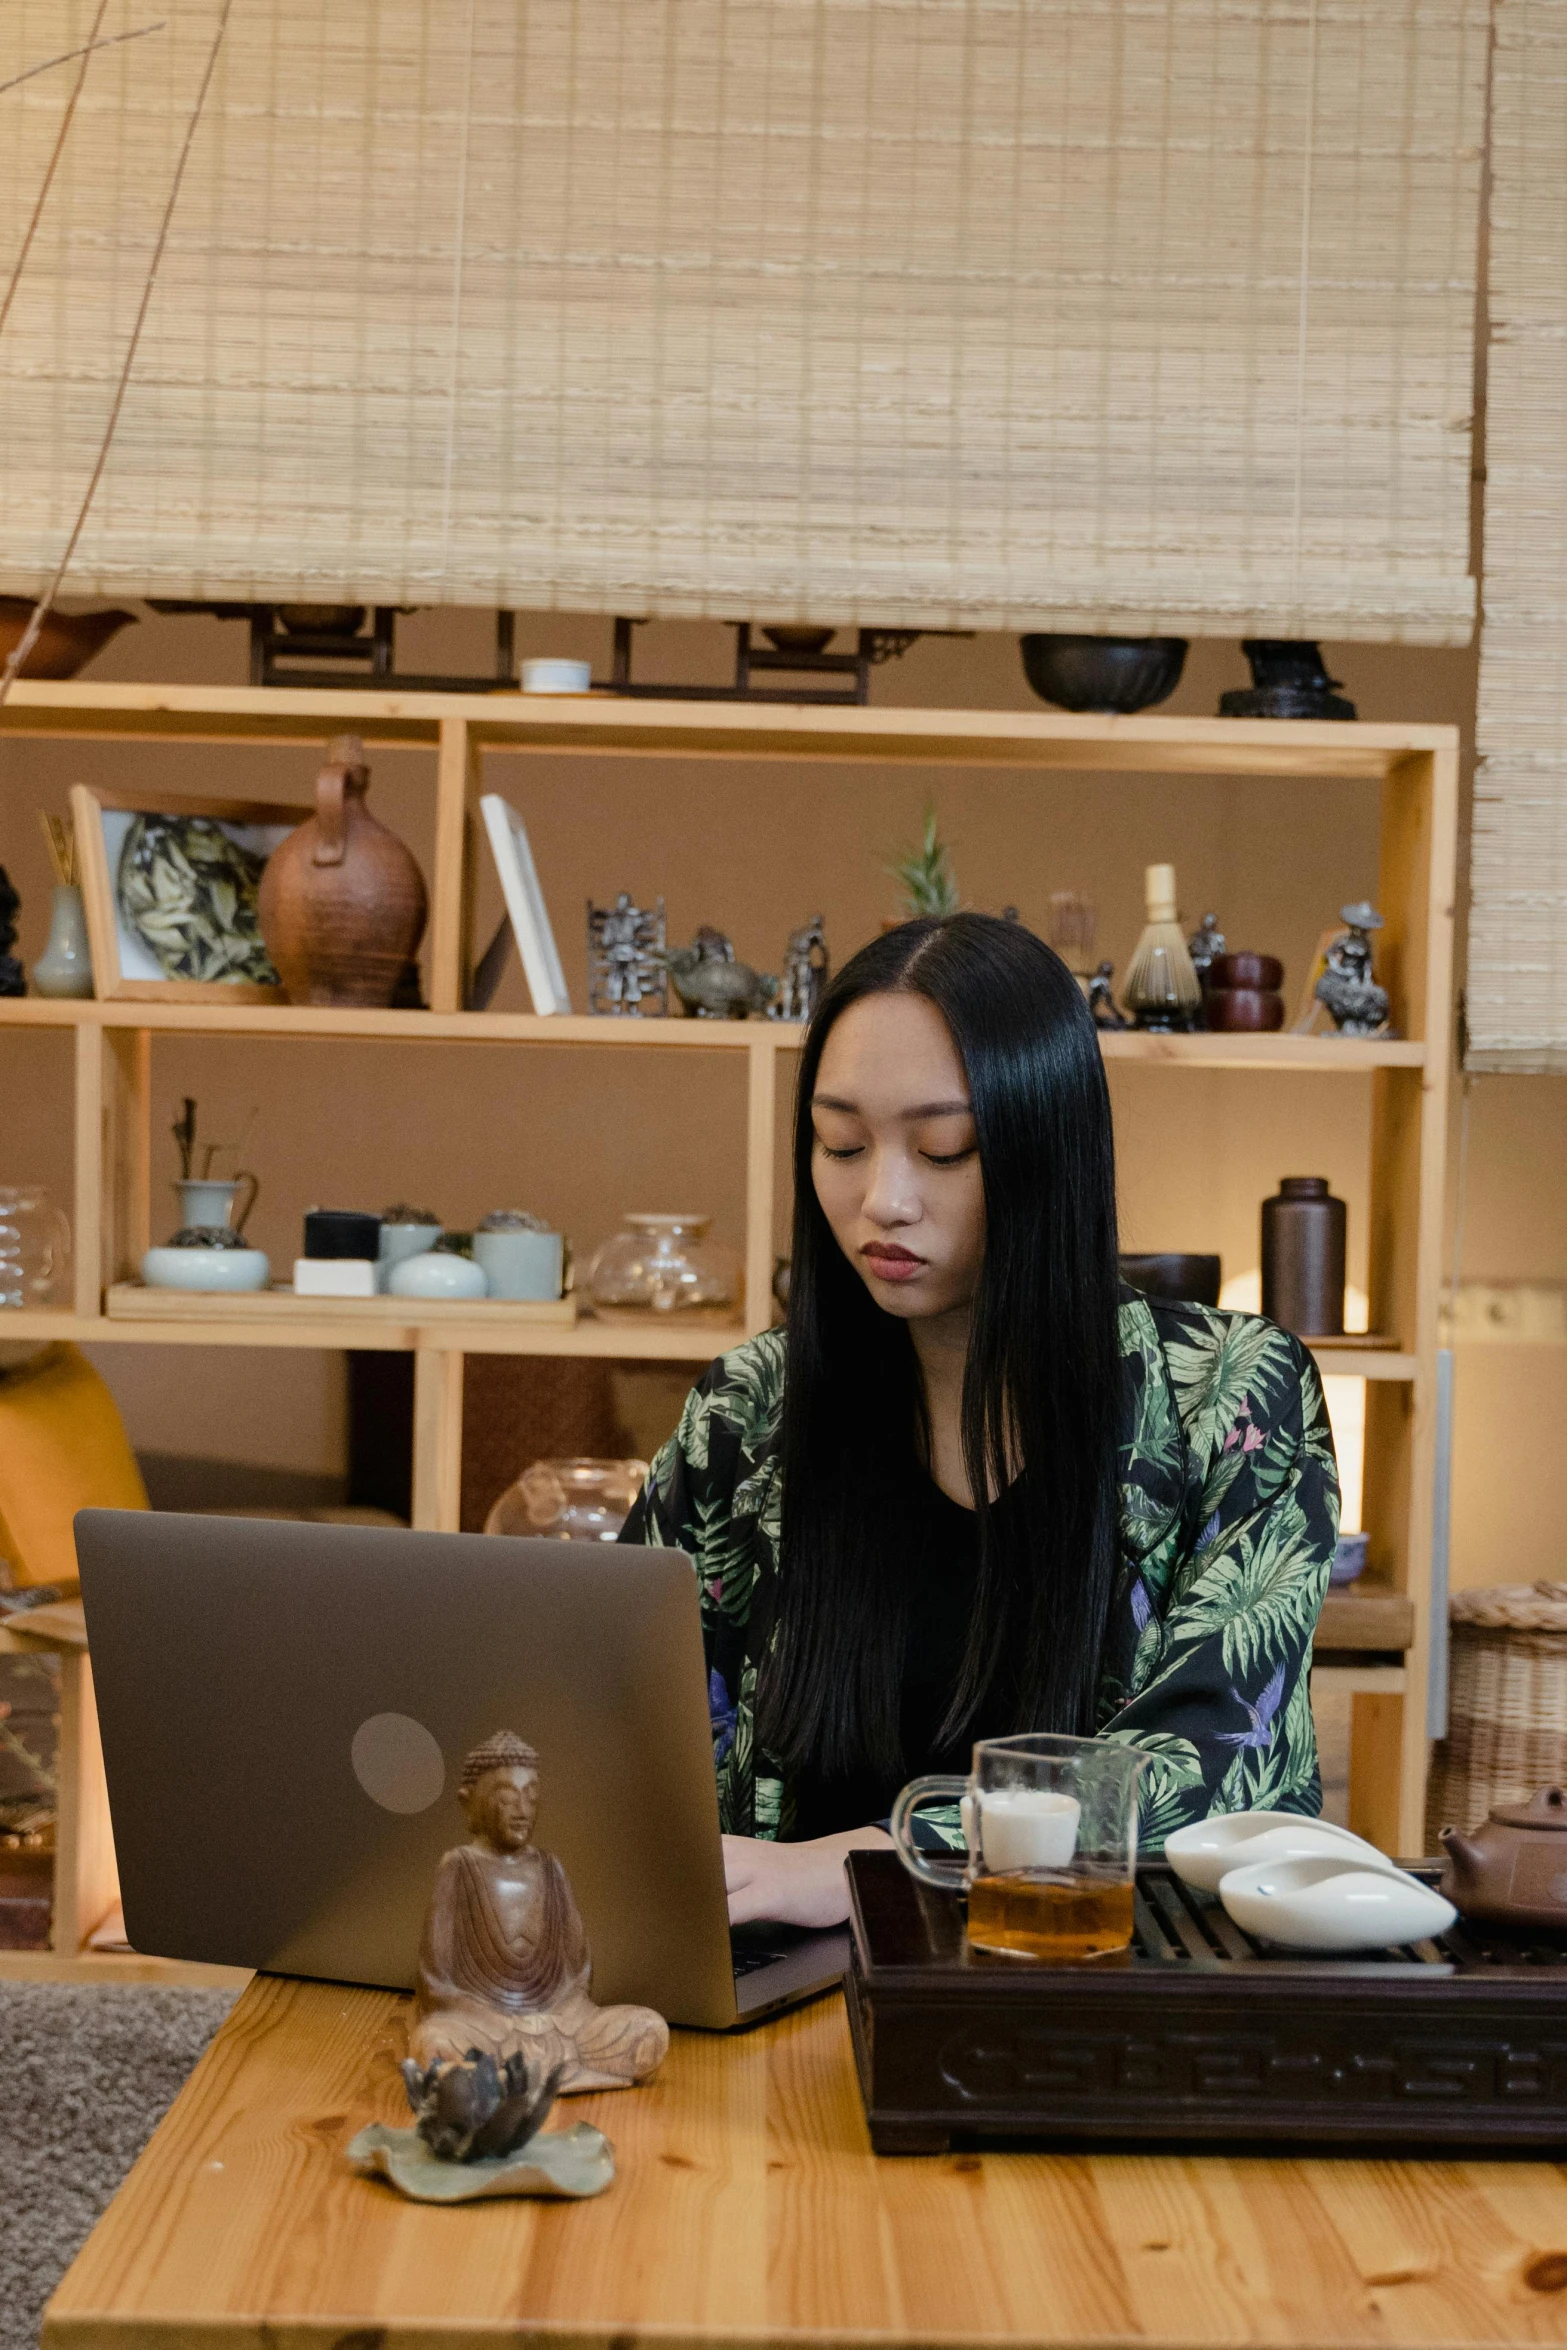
(1051, 1828)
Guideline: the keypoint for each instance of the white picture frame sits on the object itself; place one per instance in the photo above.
(525, 907)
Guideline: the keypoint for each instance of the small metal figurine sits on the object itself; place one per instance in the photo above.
(626, 975)
(1101, 1002)
(1204, 946)
(710, 983)
(804, 972)
(1347, 989)
(13, 979)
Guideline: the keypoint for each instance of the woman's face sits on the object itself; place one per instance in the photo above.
(895, 1162)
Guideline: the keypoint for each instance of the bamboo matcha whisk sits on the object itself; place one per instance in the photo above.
(1161, 980)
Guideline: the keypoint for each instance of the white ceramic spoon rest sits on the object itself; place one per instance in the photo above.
(1204, 1854)
(1327, 1903)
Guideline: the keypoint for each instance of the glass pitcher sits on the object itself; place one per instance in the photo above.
(1051, 1828)
(35, 1247)
(657, 1266)
(578, 1500)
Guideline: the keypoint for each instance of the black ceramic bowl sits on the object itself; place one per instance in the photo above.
(1188, 1279)
(1119, 674)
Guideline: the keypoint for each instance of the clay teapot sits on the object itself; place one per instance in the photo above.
(341, 904)
(1512, 1871)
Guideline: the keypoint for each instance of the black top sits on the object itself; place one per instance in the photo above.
(943, 1569)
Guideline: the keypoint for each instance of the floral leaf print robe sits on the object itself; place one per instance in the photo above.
(1228, 1518)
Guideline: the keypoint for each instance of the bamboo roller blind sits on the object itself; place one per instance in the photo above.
(1517, 1006)
(1101, 314)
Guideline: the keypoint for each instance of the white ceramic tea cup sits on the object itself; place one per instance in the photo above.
(400, 1241)
(1327, 1903)
(554, 676)
(1203, 1855)
(1020, 1828)
(522, 1266)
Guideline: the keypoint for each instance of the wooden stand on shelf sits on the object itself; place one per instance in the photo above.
(1413, 768)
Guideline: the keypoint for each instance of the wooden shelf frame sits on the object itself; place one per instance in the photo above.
(473, 742)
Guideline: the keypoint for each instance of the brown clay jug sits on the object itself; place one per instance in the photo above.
(342, 904)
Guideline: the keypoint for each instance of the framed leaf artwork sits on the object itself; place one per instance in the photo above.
(169, 887)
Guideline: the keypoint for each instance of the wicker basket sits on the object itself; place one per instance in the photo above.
(1507, 1704)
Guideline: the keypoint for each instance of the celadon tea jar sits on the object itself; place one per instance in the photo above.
(664, 1267)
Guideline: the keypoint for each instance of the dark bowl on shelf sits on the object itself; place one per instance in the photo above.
(1189, 1280)
(1116, 674)
(797, 636)
(322, 619)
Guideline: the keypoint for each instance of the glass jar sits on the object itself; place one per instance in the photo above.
(664, 1265)
(569, 1501)
(35, 1247)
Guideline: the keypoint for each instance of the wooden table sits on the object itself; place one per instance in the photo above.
(750, 2210)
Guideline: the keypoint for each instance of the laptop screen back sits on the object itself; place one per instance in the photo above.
(285, 1710)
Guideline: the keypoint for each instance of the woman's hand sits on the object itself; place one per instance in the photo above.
(794, 1884)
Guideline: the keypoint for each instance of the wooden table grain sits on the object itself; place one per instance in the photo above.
(750, 2211)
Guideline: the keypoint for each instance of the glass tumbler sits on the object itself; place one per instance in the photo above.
(1051, 1828)
(35, 1247)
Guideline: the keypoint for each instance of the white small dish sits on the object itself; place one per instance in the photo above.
(1322, 1904)
(553, 676)
(216, 1271)
(1203, 1855)
(439, 1273)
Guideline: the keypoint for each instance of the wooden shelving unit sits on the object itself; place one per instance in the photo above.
(1414, 769)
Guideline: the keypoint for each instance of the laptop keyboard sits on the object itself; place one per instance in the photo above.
(747, 1961)
(755, 1946)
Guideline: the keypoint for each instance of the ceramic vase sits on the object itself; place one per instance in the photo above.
(65, 966)
(1304, 1232)
(342, 901)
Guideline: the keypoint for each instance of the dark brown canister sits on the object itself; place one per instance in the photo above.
(1303, 1235)
(1243, 1010)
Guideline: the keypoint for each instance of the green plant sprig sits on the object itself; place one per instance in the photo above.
(925, 875)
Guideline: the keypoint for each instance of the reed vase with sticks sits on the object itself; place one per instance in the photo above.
(65, 966)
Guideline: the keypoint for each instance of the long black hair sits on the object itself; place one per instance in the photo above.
(1041, 1387)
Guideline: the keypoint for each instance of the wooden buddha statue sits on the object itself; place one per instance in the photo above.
(504, 1964)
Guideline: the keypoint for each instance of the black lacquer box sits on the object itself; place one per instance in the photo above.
(1198, 2035)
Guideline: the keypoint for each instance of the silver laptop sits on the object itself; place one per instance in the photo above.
(285, 1710)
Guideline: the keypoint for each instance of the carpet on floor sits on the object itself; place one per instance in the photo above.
(89, 2070)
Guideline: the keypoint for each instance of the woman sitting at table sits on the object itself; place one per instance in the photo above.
(977, 1486)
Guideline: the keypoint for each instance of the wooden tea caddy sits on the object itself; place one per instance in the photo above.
(1197, 2035)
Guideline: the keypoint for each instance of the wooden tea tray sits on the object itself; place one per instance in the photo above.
(1197, 2035)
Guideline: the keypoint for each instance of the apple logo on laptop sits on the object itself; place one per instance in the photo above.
(397, 1762)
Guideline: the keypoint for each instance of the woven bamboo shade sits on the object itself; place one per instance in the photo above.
(1103, 314)
(1518, 922)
